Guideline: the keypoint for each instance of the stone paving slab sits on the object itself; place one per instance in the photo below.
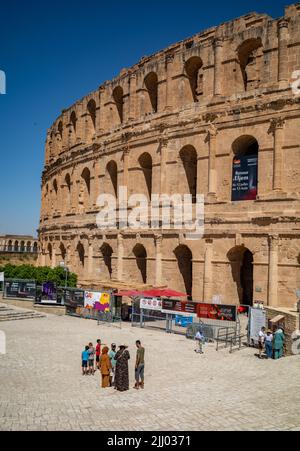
(42, 387)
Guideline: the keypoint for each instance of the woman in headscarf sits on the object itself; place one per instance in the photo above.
(105, 367)
(122, 373)
(278, 343)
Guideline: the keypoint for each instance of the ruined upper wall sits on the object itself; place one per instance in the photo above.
(251, 54)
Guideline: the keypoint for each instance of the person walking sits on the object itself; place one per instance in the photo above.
(105, 367)
(278, 343)
(269, 344)
(91, 359)
(140, 366)
(261, 341)
(122, 372)
(200, 339)
(84, 360)
(112, 357)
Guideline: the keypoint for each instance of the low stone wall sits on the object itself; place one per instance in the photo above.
(58, 310)
(291, 324)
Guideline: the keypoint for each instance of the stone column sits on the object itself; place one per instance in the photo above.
(132, 99)
(212, 170)
(74, 194)
(273, 271)
(169, 63)
(100, 113)
(53, 255)
(158, 268)
(218, 78)
(120, 257)
(126, 151)
(207, 284)
(163, 142)
(283, 36)
(96, 185)
(277, 127)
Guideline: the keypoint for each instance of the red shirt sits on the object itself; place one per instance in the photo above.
(98, 350)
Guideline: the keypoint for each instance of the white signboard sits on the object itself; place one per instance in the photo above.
(257, 321)
(151, 304)
(1, 276)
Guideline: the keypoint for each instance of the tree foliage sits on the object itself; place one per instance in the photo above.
(40, 274)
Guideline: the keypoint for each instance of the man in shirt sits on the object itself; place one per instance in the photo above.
(261, 341)
(200, 340)
(139, 366)
(85, 358)
(98, 353)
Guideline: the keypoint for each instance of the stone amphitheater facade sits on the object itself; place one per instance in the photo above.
(175, 123)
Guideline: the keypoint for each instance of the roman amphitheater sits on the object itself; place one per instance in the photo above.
(181, 121)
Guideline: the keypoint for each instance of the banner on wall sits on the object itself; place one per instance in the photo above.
(25, 289)
(179, 308)
(244, 178)
(151, 304)
(49, 293)
(217, 312)
(73, 298)
(97, 301)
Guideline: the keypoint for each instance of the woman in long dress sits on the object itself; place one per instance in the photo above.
(122, 372)
(105, 368)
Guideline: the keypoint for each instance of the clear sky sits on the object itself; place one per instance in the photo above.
(55, 52)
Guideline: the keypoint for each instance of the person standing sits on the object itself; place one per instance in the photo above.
(278, 343)
(140, 366)
(269, 344)
(261, 341)
(105, 367)
(98, 353)
(91, 359)
(112, 357)
(84, 359)
(122, 372)
(200, 339)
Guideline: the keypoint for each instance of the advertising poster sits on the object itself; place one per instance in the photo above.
(179, 308)
(74, 298)
(97, 301)
(217, 312)
(244, 178)
(49, 293)
(20, 289)
(151, 304)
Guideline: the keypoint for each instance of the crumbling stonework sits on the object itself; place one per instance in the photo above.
(174, 123)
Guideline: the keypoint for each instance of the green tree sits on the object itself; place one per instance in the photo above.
(40, 274)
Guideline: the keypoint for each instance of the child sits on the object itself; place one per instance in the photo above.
(85, 358)
(91, 359)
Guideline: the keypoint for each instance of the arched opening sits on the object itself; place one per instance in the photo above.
(184, 258)
(146, 165)
(60, 129)
(151, 84)
(29, 246)
(107, 253)
(68, 184)
(35, 248)
(50, 253)
(245, 169)
(22, 248)
(16, 246)
(241, 261)
(73, 120)
(112, 177)
(63, 251)
(189, 159)
(86, 177)
(250, 55)
(91, 107)
(118, 96)
(80, 255)
(140, 254)
(10, 246)
(194, 71)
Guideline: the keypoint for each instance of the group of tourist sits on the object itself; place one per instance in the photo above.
(271, 343)
(113, 365)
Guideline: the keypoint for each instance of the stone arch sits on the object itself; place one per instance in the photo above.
(118, 96)
(92, 111)
(63, 251)
(16, 246)
(80, 255)
(151, 85)
(111, 177)
(35, 247)
(106, 257)
(250, 54)
(184, 259)
(29, 246)
(241, 261)
(85, 188)
(194, 71)
(10, 246)
(60, 129)
(68, 188)
(140, 253)
(245, 168)
(22, 246)
(73, 121)
(146, 165)
(189, 160)
(50, 254)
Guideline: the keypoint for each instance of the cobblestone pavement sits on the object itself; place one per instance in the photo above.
(41, 387)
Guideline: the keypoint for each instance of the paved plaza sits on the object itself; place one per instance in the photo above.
(42, 388)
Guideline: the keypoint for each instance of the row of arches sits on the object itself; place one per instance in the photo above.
(249, 59)
(19, 246)
(245, 146)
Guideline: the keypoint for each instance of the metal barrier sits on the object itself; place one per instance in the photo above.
(101, 317)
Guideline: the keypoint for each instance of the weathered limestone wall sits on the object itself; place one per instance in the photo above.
(173, 123)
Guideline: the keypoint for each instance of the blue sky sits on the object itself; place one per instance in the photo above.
(55, 52)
